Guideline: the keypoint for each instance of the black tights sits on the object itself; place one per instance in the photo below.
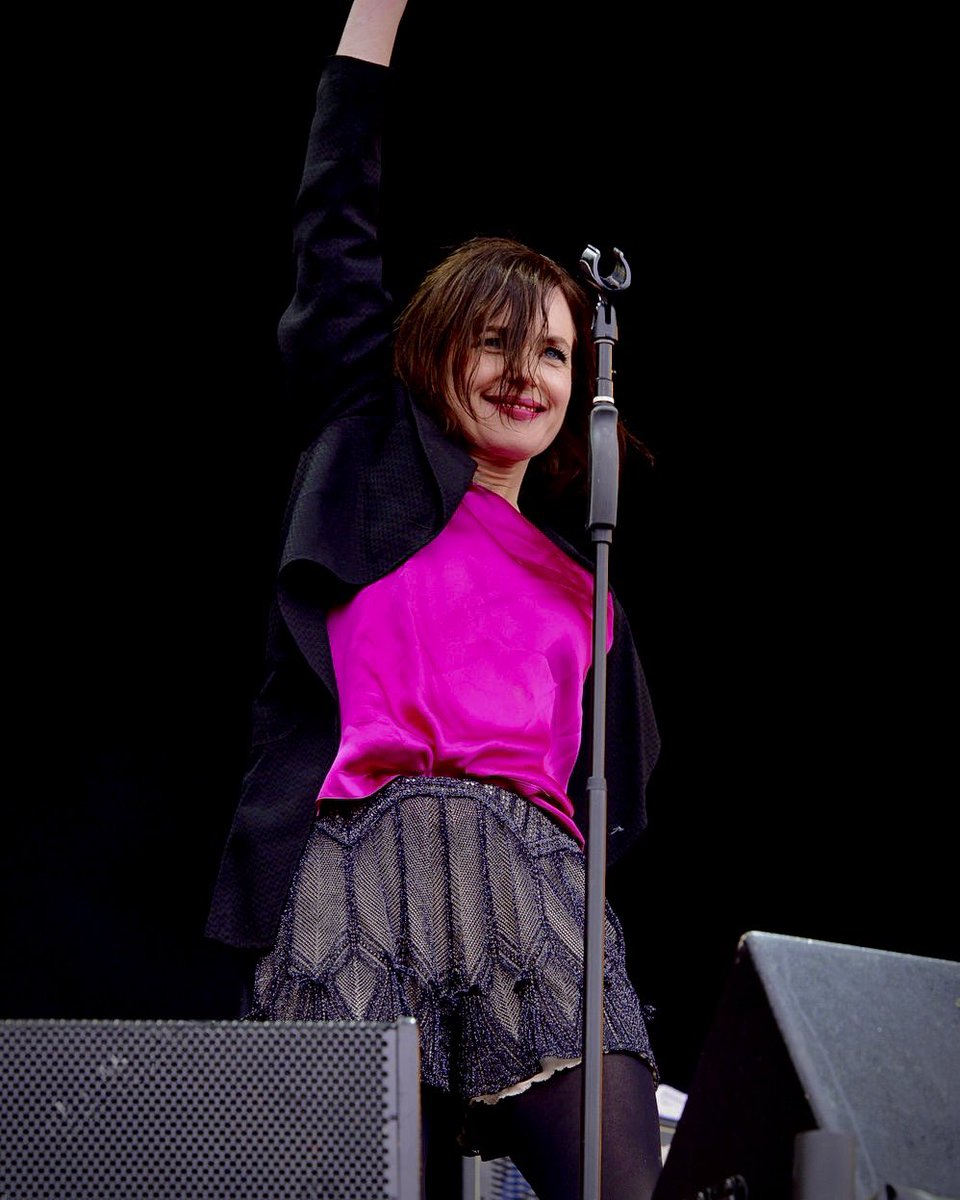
(539, 1130)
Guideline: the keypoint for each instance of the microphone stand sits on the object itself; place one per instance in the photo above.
(601, 521)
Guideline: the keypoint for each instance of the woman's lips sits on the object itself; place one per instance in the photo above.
(519, 410)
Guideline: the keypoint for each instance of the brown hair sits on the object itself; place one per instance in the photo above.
(438, 329)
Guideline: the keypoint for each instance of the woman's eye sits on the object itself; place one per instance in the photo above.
(556, 352)
(492, 341)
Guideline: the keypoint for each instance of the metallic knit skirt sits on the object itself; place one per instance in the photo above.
(459, 904)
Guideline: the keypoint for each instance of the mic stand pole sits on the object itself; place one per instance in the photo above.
(602, 519)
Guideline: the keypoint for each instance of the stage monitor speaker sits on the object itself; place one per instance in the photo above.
(209, 1110)
(814, 1035)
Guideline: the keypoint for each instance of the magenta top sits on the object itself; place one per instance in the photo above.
(468, 660)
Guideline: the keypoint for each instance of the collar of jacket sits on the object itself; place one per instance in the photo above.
(368, 493)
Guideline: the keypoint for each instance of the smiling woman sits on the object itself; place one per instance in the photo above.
(510, 406)
(510, 418)
(409, 840)
(495, 330)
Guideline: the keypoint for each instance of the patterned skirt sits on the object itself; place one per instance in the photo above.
(459, 904)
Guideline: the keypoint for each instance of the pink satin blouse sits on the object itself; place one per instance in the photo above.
(468, 660)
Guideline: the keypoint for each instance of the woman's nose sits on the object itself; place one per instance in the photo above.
(531, 367)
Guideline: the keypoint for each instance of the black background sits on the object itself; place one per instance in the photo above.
(786, 563)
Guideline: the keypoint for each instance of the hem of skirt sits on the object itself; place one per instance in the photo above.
(551, 1066)
(497, 1089)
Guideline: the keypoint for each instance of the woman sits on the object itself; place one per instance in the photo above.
(409, 838)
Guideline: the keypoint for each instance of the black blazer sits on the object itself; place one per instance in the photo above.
(377, 482)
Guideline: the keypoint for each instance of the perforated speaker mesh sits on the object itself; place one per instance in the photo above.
(140, 1110)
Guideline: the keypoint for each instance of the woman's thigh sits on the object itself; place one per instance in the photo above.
(540, 1131)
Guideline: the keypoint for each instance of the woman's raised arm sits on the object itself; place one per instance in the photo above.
(370, 30)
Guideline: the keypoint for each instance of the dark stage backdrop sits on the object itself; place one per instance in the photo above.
(785, 562)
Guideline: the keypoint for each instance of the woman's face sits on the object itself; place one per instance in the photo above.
(515, 419)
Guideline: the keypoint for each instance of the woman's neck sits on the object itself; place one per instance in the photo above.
(504, 479)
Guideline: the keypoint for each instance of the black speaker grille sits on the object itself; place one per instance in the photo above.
(138, 1110)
